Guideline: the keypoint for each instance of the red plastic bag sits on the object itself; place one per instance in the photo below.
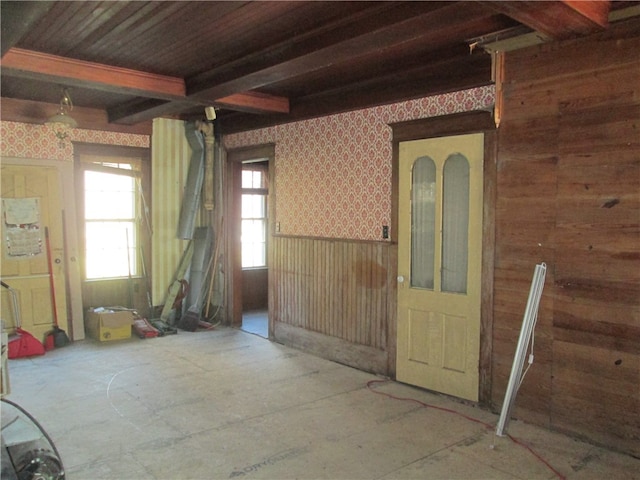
(24, 345)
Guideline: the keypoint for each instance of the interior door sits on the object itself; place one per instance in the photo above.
(439, 263)
(30, 202)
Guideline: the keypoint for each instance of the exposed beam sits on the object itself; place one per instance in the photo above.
(595, 11)
(254, 102)
(168, 92)
(343, 42)
(78, 73)
(17, 18)
(27, 111)
(558, 19)
(430, 79)
(143, 109)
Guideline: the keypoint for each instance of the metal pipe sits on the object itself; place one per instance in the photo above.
(193, 187)
(528, 324)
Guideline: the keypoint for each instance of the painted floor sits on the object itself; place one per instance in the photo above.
(256, 322)
(226, 404)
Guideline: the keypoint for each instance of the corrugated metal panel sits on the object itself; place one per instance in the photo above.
(170, 154)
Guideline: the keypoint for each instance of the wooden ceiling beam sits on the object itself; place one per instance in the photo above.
(254, 102)
(144, 109)
(77, 73)
(345, 42)
(454, 74)
(560, 19)
(28, 111)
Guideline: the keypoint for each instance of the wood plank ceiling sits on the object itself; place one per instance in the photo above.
(259, 63)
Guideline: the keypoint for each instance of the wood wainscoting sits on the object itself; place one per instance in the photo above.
(335, 299)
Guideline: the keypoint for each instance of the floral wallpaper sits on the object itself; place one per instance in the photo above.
(25, 140)
(333, 174)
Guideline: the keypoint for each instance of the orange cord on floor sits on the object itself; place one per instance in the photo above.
(471, 419)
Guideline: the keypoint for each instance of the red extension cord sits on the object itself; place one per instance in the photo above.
(471, 419)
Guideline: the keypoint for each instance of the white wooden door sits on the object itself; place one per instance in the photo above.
(30, 202)
(439, 264)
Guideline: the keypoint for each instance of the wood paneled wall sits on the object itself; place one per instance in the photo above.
(568, 194)
(331, 297)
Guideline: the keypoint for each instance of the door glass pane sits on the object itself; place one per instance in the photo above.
(455, 224)
(423, 216)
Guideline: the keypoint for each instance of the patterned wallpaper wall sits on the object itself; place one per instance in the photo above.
(26, 140)
(333, 174)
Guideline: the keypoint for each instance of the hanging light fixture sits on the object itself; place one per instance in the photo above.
(62, 122)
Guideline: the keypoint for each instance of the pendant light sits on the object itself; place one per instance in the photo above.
(62, 122)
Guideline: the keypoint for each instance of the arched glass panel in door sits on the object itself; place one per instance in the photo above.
(423, 219)
(455, 224)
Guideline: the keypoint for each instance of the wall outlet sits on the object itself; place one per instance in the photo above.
(385, 231)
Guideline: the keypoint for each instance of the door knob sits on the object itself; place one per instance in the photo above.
(400, 279)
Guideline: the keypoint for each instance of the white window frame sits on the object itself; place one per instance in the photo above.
(263, 191)
(130, 167)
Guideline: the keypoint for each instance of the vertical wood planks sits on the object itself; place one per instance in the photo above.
(334, 287)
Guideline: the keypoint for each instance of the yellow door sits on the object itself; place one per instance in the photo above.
(439, 264)
(31, 202)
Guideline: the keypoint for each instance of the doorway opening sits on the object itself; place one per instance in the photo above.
(254, 221)
(251, 211)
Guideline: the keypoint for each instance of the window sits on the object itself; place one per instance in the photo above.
(111, 209)
(254, 215)
(440, 216)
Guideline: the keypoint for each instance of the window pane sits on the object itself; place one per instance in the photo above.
(455, 224)
(257, 180)
(253, 243)
(106, 249)
(253, 206)
(423, 217)
(252, 179)
(109, 196)
(110, 225)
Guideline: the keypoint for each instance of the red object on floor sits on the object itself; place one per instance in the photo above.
(24, 345)
(144, 329)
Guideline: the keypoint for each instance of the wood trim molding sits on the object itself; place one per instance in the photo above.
(443, 126)
(267, 150)
(362, 357)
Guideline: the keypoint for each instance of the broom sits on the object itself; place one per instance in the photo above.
(57, 337)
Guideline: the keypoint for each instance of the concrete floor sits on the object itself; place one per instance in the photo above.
(226, 403)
